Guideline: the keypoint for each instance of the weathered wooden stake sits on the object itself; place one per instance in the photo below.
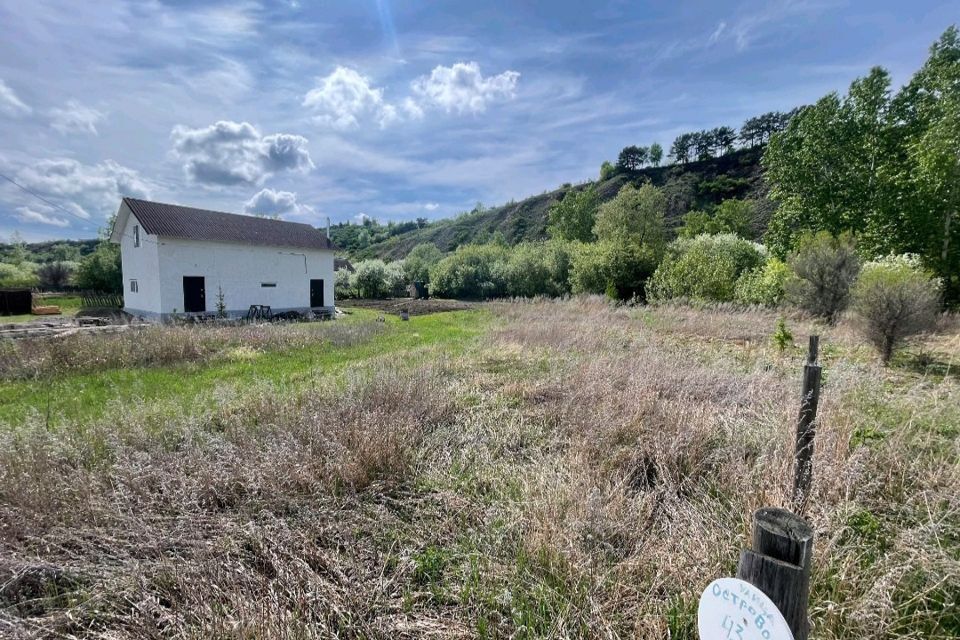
(813, 350)
(806, 428)
(779, 564)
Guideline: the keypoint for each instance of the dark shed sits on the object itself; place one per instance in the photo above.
(15, 301)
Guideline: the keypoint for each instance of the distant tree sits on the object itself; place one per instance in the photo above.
(343, 285)
(616, 268)
(472, 271)
(54, 275)
(538, 268)
(607, 169)
(703, 145)
(100, 271)
(750, 132)
(730, 216)
(681, 148)
(724, 138)
(370, 279)
(63, 252)
(705, 268)
(17, 276)
(634, 216)
(422, 222)
(395, 279)
(930, 104)
(833, 170)
(656, 154)
(573, 217)
(632, 158)
(420, 260)
(18, 253)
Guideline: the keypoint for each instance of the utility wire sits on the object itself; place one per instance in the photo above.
(58, 207)
(40, 197)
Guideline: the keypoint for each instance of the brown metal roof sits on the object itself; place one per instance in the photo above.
(175, 221)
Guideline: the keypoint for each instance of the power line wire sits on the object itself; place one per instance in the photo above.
(40, 197)
(59, 208)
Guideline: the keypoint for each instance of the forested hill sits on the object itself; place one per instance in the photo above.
(692, 185)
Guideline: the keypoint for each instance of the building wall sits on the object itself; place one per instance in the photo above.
(143, 265)
(239, 272)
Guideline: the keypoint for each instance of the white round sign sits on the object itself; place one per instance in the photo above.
(732, 609)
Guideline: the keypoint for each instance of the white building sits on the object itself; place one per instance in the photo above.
(180, 260)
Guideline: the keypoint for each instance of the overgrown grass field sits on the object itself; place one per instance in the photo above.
(530, 469)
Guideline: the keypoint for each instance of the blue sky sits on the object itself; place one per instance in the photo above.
(394, 109)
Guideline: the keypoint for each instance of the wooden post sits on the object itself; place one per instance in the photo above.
(806, 430)
(813, 350)
(779, 564)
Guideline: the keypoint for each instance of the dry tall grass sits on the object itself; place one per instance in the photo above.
(582, 471)
(162, 345)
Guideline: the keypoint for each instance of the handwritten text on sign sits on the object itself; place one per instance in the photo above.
(731, 609)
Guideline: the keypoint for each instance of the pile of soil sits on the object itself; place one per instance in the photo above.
(413, 307)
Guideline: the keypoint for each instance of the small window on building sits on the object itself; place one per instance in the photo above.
(136, 235)
(268, 284)
(134, 287)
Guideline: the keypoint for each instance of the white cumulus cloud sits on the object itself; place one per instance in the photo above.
(275, 203)
(84, 188)
(33, 215)
(75, 118)
(463, 88)
(233, 153)
(345, 98)
(10, 104)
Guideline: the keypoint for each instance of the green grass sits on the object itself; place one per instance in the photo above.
(191, 386)
(69, 305)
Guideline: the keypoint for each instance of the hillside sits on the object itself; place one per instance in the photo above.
(48, 251)
(688, 186)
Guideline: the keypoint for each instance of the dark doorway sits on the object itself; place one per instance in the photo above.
(316, 293)
(194, 294)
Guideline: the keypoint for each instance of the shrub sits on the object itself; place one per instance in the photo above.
(573, 217)
(395, 279)
(893, 299)
(21, 275)
(100, 271)
(370, 279)
(607, 170)
(763, 285)
(472, 271)
(618, 269)
(343, 285)
(634, 216)
(538, 268)
(420, 260)
(54, 275)
(704, 268)
(825, 268)
(731, 216)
